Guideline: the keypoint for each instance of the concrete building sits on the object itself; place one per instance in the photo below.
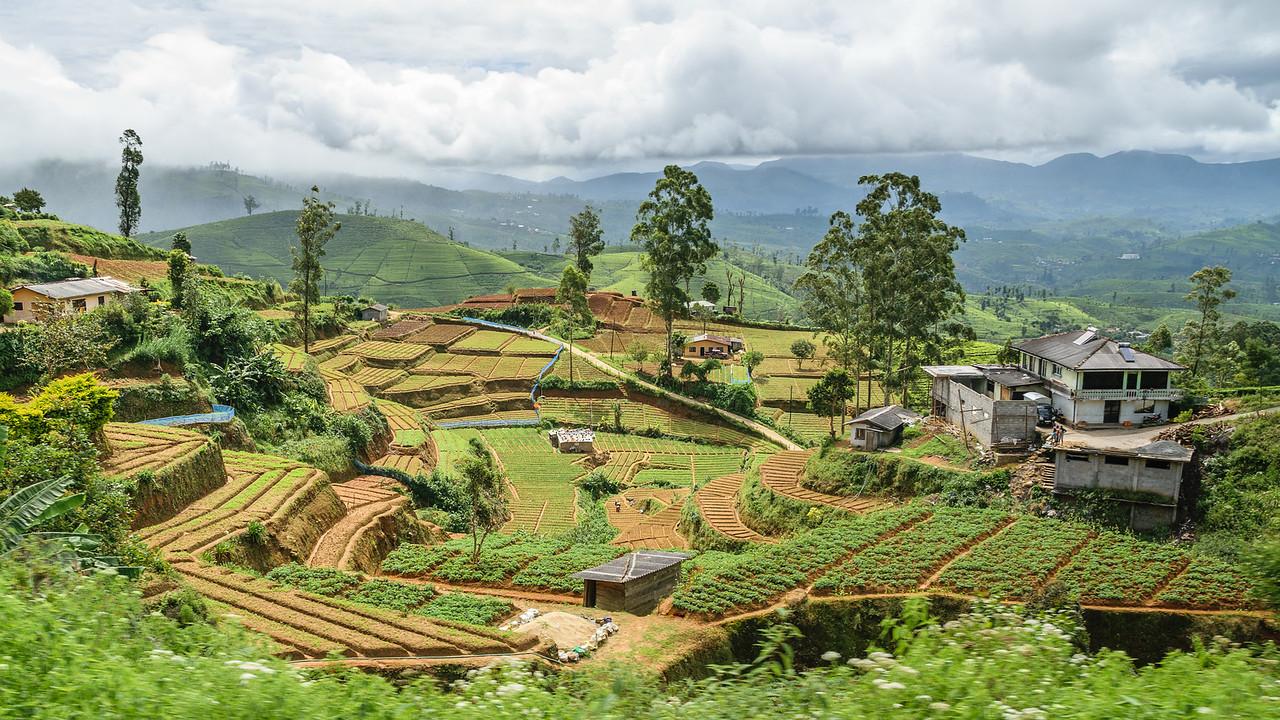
(986, 401)
(1094, 380)
(713, 346)
(879, 427)
(634, 583)
(1148, 479)
(573, 440)
(79, 294)
(376, 312)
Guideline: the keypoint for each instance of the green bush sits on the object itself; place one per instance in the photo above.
(840, 472)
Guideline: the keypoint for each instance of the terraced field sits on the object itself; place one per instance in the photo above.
(401, 354)
(441, 336)
(637, 529)
(518, 561)
(782, 473)
(136, 448)
(293, 359)
(483, 342)
(522, 345)
(485, 367)
(717, 502)
(544, 496)
(367, 499)
(345, 395)
(333, 344)
(376, 378)
(598, 412)
(269, 490)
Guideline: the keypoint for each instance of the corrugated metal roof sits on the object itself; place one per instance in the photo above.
(887, 417)
(1098, 353)
(951, 371)
(80, 287)
(631, 566)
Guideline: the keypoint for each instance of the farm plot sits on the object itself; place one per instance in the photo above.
(524, 345)
(517, 560)
(342, 363)
(376, 378)
(345, 395)
(620, 465)
(440, 336)
(904, 561)
(773, 343)
(333, 344)
(136, 448)
(410, 464)
(1016, 561)
(293, 359)
(418, 390)
(598, 412)
(382, 351)
(400, 330)
(1209, 583)
(483, 342)
(757, 577)
(1115, 569)
(452, 446)
(542, 477)
(451, 364)
(582, 370)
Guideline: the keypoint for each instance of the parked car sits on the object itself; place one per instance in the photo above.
(1046, 416)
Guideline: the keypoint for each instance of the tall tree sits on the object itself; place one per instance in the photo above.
(830, 396)
(672, 229)
(832, 293)
(179, 241)
(905, 253)
(315, 227)
(179, 268)
(127, 197)
(482, 485)
(250, 204)
(585, 238)
(1208, 292)
(29, 200)
(573, 294)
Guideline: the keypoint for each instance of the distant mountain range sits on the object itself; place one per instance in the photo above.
(1174, 192)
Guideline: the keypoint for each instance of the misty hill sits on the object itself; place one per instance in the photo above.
(395, 261)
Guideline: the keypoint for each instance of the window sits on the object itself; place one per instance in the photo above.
(1115, 460)
(1158, 464)
(1057, 370)
(79, 304)
(859, 434)
(17, 306)
(102, 299)
(1077, 457)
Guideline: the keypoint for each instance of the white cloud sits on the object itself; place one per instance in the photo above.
(322, 85)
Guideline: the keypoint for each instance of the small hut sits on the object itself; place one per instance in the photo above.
(879, 427)
(376, 312)
(634, 583)
(573, 440)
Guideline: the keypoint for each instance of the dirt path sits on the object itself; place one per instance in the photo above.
(718, 502)
(334, 546)
(782, 472)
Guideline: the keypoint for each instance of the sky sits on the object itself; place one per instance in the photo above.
(542, 87)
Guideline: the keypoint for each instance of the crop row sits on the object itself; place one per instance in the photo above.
(534, 562)
(1117, 569)
(905, 560)
(765, 572)
(1209, 583)
(390, 351)
(1016, 561)
(484, 341)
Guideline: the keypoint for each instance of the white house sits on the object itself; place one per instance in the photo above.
(78, 294)
(1094, 380)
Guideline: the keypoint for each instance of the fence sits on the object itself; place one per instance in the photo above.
(221, 414)
(492, 422)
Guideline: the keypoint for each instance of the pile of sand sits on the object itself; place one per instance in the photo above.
(564, 629)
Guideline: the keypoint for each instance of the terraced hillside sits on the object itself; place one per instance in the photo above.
(296, 509)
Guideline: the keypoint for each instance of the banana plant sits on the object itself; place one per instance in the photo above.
(41, 502)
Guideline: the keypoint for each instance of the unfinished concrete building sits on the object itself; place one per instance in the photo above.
(986, 401)
(1148, 478)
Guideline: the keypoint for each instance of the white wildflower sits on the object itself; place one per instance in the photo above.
(830, 656)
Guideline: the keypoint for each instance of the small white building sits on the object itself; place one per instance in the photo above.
(78, 294)
(573, 440)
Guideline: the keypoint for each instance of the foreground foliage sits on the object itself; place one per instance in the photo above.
(86, 647)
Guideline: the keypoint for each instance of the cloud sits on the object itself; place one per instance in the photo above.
(384, 86)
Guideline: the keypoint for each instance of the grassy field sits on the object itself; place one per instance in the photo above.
(621, 271)
(395, 261)
(84, 240)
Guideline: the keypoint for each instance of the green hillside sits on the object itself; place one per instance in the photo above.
(621, 271)
(82, 240)
(396, 261)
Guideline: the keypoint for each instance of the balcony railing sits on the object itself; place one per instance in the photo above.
(1150, 394)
